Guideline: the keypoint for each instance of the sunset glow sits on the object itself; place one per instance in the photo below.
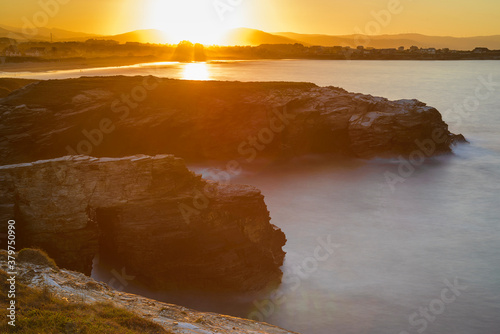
(199, 20)
(192, 20)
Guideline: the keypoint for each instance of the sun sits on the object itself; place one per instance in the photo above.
(196, 71)
(193, 20)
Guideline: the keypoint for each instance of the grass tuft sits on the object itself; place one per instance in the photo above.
(36, 256)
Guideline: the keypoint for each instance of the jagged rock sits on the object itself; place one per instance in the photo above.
(7, 86)
(165, 224)
(121, 116)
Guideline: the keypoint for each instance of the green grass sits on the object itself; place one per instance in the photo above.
(36, 256)
(39, 312)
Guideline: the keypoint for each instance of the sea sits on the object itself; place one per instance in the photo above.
(364, 254)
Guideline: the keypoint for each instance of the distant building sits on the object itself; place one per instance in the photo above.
(102, 42)
(316, 49)
(337, 49)
(481, 50)
(329, 50)
(414, 49)
(12, 51)
(347, 50)
(35, 52)
(429, 51)
(388, 51)
(6, 40)
(360, 50)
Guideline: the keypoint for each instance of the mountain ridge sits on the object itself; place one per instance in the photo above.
(397, 40)
(43, 34)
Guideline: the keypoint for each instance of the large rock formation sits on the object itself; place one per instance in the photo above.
(165, 224)
(120, 116)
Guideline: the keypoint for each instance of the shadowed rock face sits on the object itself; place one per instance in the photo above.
(76, 288)
(129, 210)
(121, 116)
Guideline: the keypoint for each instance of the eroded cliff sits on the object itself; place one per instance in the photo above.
(164, 224)
(121, 116)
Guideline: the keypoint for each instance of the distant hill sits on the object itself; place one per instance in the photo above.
(4, 33)
(43, 34)
(141, 36)
(394, 41)
(246, 36)
(58, 35)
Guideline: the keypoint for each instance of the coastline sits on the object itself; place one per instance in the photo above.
(49, 65)
(74, 64)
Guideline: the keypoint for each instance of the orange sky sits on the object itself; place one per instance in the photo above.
(189, 17)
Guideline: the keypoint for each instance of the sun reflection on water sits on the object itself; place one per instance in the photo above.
(196, 71)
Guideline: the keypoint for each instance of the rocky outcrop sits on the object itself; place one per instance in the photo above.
(76, 288)
(166, 225)
(7, 86)
(121, 116)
